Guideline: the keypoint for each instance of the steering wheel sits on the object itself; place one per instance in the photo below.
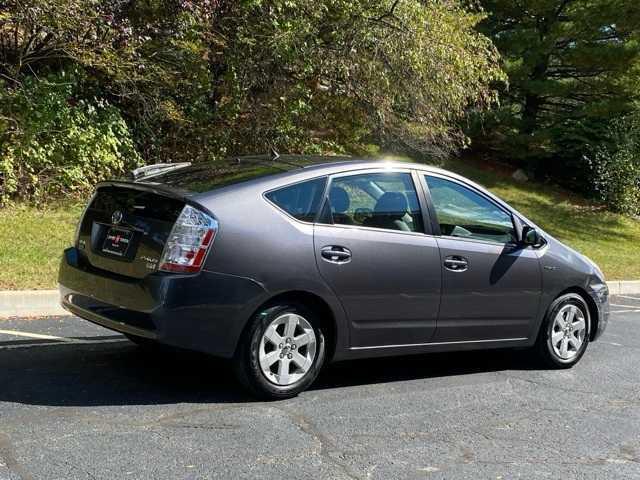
(361, 214)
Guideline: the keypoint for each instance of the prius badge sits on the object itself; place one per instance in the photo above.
(152, 263)
(116, 217)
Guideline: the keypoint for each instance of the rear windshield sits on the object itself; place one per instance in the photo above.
(138, 203)
(207, 176)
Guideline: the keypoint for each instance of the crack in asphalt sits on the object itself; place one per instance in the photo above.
(328, 449)
(542, 384)
(203, 426)
(8, 454)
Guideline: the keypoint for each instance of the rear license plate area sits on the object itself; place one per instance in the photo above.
(117, 241)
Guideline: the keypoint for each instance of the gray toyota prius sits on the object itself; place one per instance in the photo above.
(285, 263)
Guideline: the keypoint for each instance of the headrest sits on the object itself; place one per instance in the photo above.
(339, 199)
(393, 204)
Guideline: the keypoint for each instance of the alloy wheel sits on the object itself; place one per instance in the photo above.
(568, 331)
(287, 349)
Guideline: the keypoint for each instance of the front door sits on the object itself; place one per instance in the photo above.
(491, 285)
(374, 254)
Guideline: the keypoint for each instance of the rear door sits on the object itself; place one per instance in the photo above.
(491, 285)
(372, 250)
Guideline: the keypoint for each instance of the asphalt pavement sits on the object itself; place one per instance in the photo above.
(78, 401)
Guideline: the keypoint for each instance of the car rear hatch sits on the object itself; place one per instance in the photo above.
(127, 223)
(125, 227)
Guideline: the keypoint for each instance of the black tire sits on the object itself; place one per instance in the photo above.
(247, 363)
(544, 347)
(146, 344)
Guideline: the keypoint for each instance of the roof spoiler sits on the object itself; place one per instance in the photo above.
(156, 168)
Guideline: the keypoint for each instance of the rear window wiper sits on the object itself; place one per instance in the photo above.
(157, 168)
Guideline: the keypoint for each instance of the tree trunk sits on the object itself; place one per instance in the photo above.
(532, 104)
(533, 101)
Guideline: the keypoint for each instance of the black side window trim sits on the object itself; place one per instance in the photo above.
(432, 209)
(429, 219)
(282, 210)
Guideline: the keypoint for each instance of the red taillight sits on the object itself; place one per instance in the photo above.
(189, 241)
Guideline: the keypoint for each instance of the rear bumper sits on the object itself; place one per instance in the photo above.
(205, 312)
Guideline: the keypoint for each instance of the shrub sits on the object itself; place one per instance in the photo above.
(52, 142)
(217, 77)
(616, 167)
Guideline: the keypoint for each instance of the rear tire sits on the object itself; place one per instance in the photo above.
(281, 353)
(564, 334)
(144, 343)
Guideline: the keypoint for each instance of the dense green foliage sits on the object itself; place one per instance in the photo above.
(347, 71)
(573, 68)
(91, 88)
(51, 144)
(616, 166)
(198, 80)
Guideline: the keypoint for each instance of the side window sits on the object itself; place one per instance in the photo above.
(301, 200)
(463, 213)
(380, 200)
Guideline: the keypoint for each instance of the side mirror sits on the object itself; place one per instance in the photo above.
(530, 236)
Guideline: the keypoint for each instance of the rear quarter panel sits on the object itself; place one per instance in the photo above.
(256, 240)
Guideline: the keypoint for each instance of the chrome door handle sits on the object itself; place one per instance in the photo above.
(335, 254)
(456, 263)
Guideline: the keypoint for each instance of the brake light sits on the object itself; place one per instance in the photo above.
(189, 241)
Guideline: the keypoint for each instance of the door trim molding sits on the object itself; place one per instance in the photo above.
(440, 343)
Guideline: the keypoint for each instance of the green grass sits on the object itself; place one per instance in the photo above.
(609, 239)
(31, 244)
(32, 239)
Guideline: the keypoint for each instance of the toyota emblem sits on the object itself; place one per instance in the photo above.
(116, 217)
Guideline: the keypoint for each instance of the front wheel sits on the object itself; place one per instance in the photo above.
(564, 335)
(281, 353)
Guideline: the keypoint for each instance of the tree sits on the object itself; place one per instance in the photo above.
(197, 80)
(338, 73)
(616, 166)
(570, 65)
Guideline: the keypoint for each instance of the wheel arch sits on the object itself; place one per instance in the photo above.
(314, 302)
(594, 316)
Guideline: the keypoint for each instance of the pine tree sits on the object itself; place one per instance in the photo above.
(572, 65)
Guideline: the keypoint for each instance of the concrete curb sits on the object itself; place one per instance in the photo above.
(623, 287)
(30, 303)
(44, 303)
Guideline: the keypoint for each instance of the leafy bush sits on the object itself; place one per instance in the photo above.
(200, 80)
(616, 167)
(52, 142)
(345, 72)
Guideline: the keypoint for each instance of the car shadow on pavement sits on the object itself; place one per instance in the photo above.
(424, 366)
(120, 373)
